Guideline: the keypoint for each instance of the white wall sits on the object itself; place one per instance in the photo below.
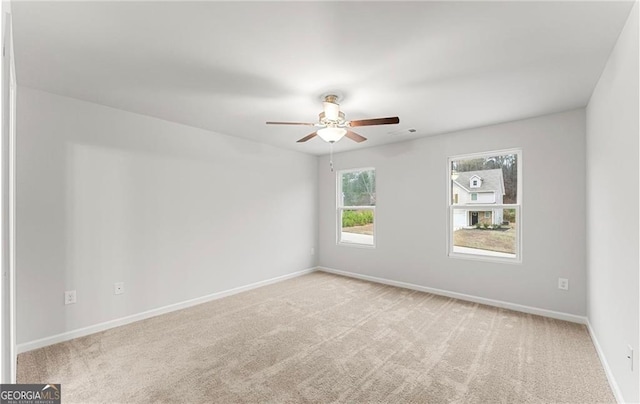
(7, 191)
(612, 210)
(172, 211)
(411, 214)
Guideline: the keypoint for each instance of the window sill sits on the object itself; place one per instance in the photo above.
(347, 244)
(486, 258)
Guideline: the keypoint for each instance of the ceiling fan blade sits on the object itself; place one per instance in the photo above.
(309, 136)
(355, 137)
(376, 121)
(291, 123)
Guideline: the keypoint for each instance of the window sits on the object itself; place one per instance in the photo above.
(494, 235)
(356, 207)
(476, 181)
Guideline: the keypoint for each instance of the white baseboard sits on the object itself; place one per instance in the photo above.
(81, 332)
(490, 302)
(607, 370)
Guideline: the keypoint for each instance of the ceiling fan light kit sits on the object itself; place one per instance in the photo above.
(332, 135)
(333, 124)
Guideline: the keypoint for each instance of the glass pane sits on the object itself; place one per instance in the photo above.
(490, 179)
(485, 232)
(358, 188)
(357, 226)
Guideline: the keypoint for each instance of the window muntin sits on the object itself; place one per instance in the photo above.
(356, 207)
(485, 224)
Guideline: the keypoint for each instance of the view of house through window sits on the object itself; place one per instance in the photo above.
(485, 205)
(356, 206)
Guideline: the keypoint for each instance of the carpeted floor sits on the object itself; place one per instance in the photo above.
(324, 338)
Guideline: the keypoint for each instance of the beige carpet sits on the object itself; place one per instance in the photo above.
(325, 338)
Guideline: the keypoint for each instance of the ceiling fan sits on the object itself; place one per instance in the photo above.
(333, 124)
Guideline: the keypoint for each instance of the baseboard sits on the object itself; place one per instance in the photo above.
(607, 370)
(81, 332)
(490, 302)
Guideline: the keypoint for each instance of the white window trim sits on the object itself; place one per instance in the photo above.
(480, 207)
(475, 182)
(340, 209)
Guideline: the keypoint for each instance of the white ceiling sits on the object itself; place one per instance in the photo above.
(231, 66)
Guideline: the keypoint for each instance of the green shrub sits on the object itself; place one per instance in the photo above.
(509, 215)
(352, 218)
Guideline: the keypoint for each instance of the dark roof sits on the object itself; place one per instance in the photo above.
(492, 180)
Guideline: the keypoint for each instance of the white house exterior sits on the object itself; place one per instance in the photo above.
(482, 187)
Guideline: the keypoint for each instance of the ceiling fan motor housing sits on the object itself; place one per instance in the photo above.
(322, 118)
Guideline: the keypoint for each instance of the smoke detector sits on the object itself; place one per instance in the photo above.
(401, 132)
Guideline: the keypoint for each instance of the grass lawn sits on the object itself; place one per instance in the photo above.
(492, 240)
(366, 229)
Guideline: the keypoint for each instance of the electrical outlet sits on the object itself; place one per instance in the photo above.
(563, 283)
(313, 251)
(118, 288)
(630, 357)
(70, 297)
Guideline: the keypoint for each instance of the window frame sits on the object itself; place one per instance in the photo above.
(483, 207)
(340, 208)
